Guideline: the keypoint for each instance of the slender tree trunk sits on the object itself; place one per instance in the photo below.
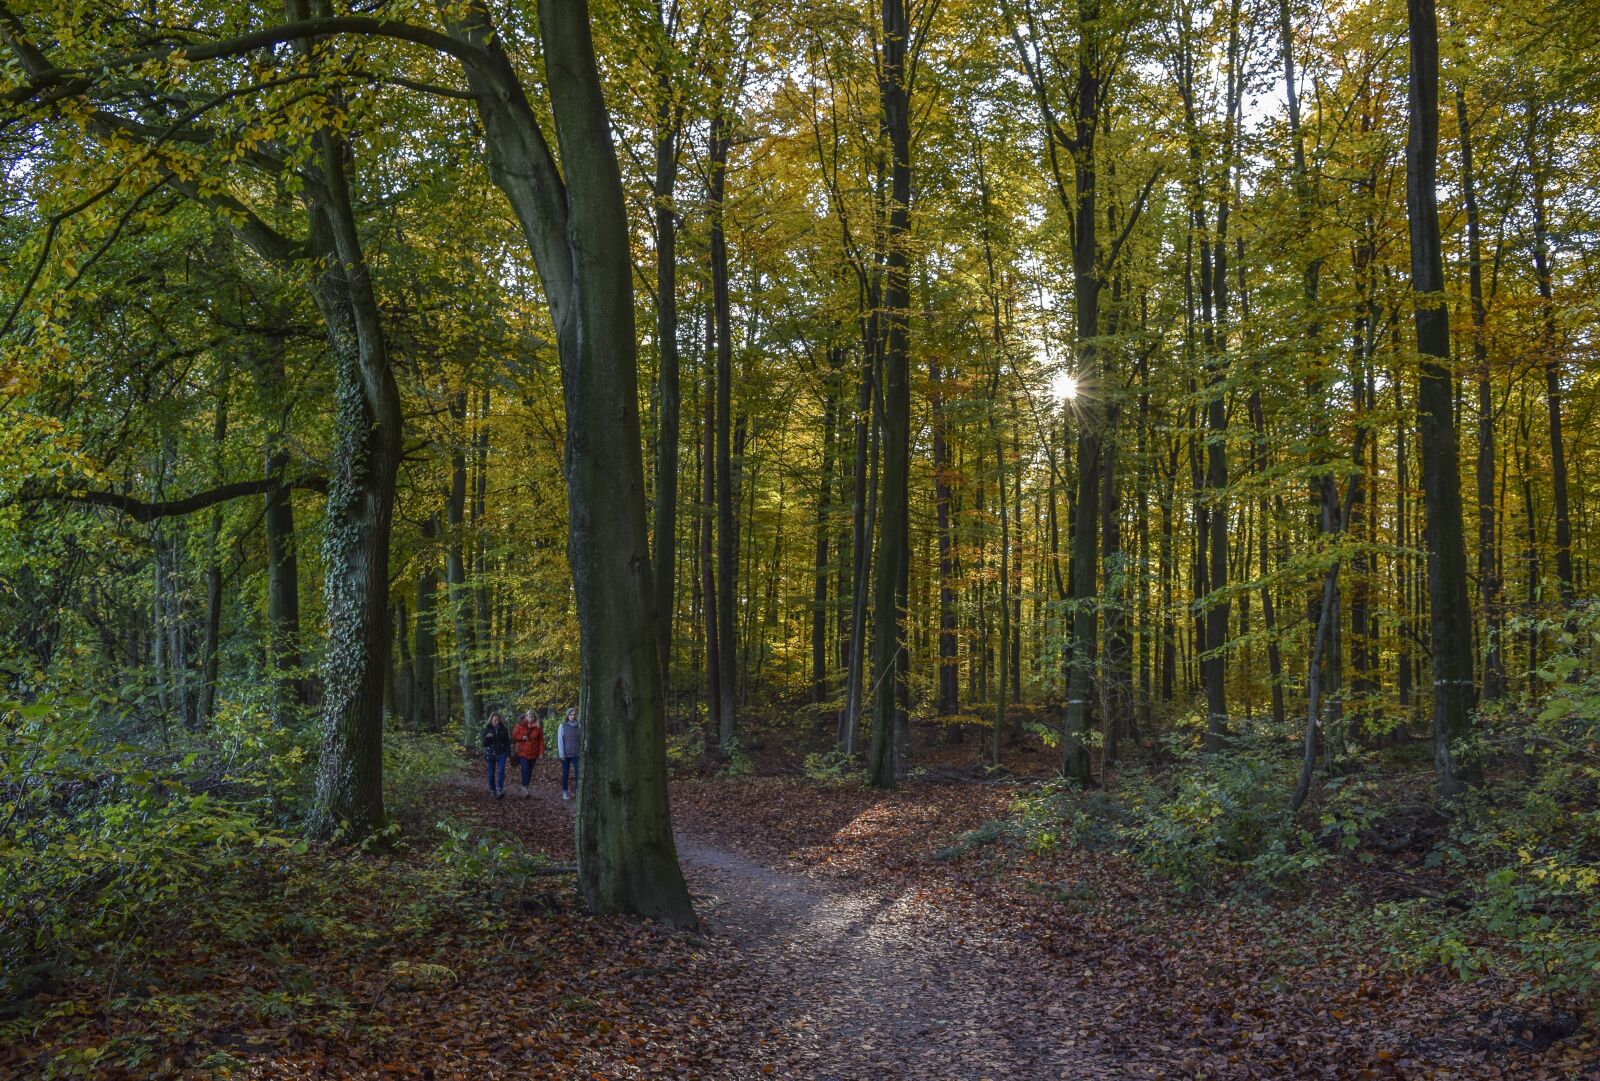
(1552, 369)
(211, 649)
(461, 602)
(708, 558)
(425, 703)
(1494, 674)
(948, 701)
(819, 587)
(283, 571)
(1005, 583)
(727, 535)
(1454, 693)
(663, 550)
(864, 487)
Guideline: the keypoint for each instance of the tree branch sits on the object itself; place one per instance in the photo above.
(142, 511)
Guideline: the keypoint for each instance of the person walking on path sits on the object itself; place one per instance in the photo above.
(496, 749)
(527, 744)
(567, 744)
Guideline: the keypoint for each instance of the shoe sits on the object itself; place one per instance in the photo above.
(524, 791)
(566, 795)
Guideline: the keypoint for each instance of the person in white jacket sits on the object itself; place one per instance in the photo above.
(567, 746)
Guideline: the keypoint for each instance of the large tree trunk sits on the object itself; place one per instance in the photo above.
(889, 601)
(1086, 297)
(574, 219)
(1454, 693)
(355, 549)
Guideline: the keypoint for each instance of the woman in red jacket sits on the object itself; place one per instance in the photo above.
(527, 744)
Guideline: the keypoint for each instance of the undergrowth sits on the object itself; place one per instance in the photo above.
(1508, 884)
(129, 876)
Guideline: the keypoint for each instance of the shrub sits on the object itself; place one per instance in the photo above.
(1525, 848)
(832, 767)
(413, 763)
(686, 751)
(487, 862)
(737, 758)
(101, 843)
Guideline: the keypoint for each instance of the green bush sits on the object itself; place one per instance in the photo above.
(832, 767)
(737, 758)
(413, 764)
(1220, 819)
(101, 844)
(487, 862)
(686, 751)
(1524, 849)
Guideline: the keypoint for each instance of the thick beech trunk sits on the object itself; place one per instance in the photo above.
(355, 549)
(574, 220)
(893, 556)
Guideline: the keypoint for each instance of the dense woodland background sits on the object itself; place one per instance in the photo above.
(1190, 402)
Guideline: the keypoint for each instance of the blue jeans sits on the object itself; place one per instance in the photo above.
(566, 765)
(526, 766)
(497, 771)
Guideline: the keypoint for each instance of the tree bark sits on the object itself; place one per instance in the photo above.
(462, 614)
(1494, 673)
(574, 219)
(425, 702)
(819, 587)
(664, 547)
(355, 550)
(949, 693)
(1454, 693)
(727, 526)
(1552, 368)
(893, 554)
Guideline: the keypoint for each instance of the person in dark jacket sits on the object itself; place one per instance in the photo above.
(568, 742)
(496, 749)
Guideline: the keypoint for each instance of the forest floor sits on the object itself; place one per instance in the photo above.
(843, 938)
(851, 945)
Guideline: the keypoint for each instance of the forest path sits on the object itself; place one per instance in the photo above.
(850, 984)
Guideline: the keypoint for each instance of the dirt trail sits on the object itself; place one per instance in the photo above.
(851, 985)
